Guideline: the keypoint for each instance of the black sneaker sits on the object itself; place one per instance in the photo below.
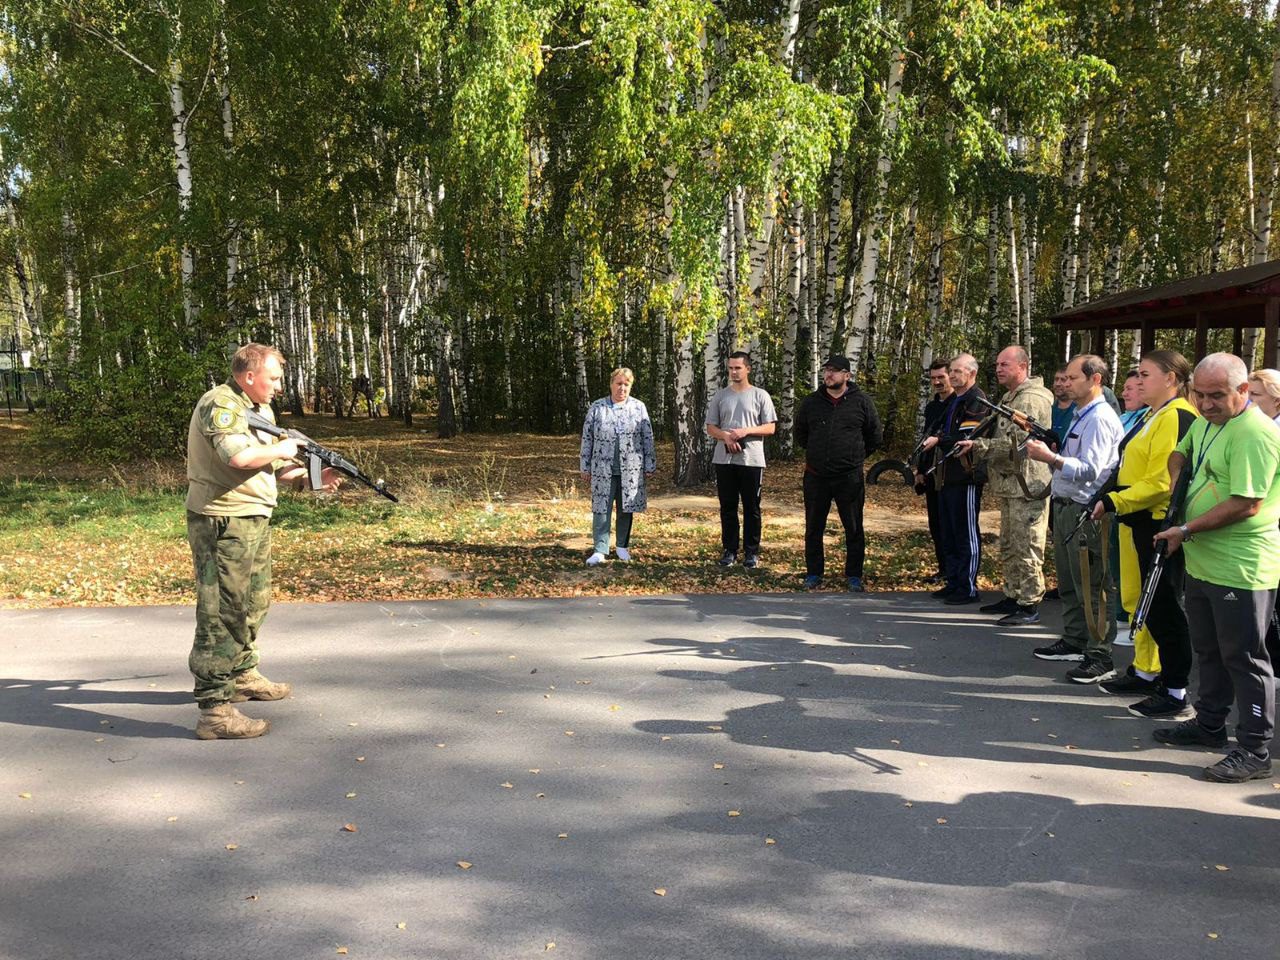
(728, 559)
(1238, 766)
(1092, 670)
(1129, 683)
(960, 597)
(1052, 594)
(1161, 706)
(1189, 733)
(1020, 617)
(751, 561)
(1003, 605)
(941, 594)
(1058, 651)
(936, 578)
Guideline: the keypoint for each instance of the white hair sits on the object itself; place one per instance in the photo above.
(1229, 365)
(966, 361)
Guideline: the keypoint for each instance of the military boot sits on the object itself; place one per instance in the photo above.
(225, 722)
(251, 685)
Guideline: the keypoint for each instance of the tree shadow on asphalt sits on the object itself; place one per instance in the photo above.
(899, 700)
(68, 705)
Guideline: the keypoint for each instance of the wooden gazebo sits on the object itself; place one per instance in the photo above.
(1234, 300)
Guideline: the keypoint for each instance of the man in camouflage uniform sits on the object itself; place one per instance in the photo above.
(1022, 487)
(232, 475)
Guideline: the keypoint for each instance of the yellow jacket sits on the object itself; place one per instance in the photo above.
(1143, 480)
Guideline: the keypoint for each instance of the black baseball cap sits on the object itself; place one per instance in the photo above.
(837, 362)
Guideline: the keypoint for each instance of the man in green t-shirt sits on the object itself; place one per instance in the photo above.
(1229, 532)
(232, 473)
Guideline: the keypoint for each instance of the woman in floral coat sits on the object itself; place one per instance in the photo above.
(617, 454)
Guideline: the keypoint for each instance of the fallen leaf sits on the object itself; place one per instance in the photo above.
(666, 738)
(500, 712)
(99, 739)
(1048, 834)
(233, 846)
(551, 945)
(1212, 936)
(614, 706)
(568, 733)
(359, 759)
(908, 803)
(24, 796)
(351, 725)
(717, 766)
(1053, 736)
(351, 796)
(252, 896)
(545, 696)
(400, 925)
(921, 763)
(1035, 719)
(171, 820)
(465, 865)
(660, 891)
(509, 786)
(239, 783)
(439, 744)
(715, 727)
(562, 836)
(769, 841)
(896, 743)
(735, 813)
(343, 951)
(942, 820)
(582, 682)
(349, 828)
(540, 795)
(1071, 746)
(1219, 867)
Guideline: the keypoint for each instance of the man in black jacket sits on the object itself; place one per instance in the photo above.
(959, 482)
(837, 426)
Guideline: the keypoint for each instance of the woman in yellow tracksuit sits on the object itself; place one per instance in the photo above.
(1162, 649)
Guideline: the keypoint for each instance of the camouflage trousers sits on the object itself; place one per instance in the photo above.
(1024, 524)
(232, 557)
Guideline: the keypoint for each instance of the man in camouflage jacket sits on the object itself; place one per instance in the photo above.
(232, 473)
(1022, 486)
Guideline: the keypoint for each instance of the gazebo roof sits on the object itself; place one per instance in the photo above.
(1244, 287)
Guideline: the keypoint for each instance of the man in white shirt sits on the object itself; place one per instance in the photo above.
(1088, 456)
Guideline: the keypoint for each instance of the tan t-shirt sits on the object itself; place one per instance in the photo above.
(219, 431)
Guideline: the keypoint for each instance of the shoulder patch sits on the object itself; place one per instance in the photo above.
(224, 418)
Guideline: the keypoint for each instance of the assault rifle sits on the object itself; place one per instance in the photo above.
(315, 457)
(978, 432)
(1176, 500)
(1102, 491)
(1019, 419)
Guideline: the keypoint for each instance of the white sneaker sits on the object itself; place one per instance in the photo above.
(595, 558)
(1123, 638)
(623, 554)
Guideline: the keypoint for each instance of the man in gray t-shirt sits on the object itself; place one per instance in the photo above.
(740, 416)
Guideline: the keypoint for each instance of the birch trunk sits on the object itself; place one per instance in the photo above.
(1015, 282)
(831, 258)
(228, 144)
(1077, 158)
(787, 406)
(70, 287)
(993, 265)
(873, 232)
(899, 297)
(182, 164)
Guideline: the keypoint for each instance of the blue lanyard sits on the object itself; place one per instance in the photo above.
(1205, 452)
(1079, 419)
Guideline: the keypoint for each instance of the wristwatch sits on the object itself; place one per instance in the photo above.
(1186, 534)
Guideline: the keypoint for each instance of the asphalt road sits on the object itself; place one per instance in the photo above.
(799, 777)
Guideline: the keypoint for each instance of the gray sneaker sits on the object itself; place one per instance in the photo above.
(1239, 766)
